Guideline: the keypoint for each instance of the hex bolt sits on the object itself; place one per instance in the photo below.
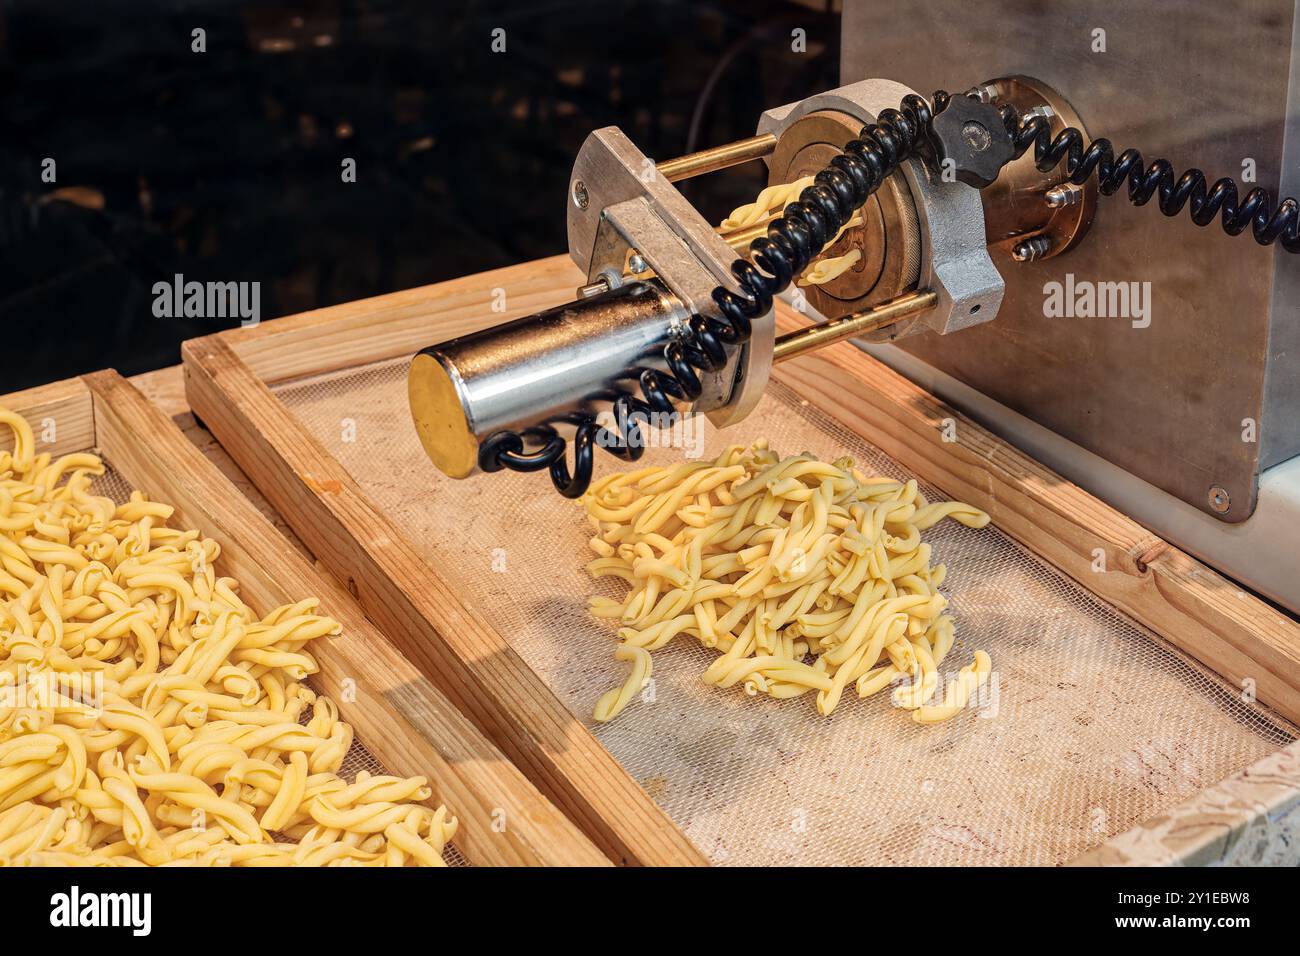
(1220, 500)
(1028, 250)
(1066, 195)
(636, 264)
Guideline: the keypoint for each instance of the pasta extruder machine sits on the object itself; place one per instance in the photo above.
(960, 209)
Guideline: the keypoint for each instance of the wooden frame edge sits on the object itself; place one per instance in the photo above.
(1256, 804)
(382, 327)
(64, 406)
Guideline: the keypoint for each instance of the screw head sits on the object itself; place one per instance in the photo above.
(580, 196)
(976, 136)
(1067, 195)
(636, 264)
(1220, 500)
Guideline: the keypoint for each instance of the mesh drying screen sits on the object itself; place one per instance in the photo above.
(111, 484)
(1097, 724)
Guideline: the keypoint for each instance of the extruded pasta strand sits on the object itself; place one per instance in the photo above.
(774, 199)
(804, 576)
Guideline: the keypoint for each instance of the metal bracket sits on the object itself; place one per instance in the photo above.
(619, 200)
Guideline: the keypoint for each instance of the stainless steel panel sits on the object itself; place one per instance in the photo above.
(1203, 84)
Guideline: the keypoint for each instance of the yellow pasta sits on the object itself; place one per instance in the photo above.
(768, 201)
(824, 270)
(805, 576)
(774, 199)
(149, 717)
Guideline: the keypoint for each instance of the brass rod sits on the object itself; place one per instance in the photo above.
(868, 320)
(719, 157)
(741, 238)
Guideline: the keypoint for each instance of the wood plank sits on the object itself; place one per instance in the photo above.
(1161, 587)
(165, 389)
(61, 414)
(403, 719)
(472, 663)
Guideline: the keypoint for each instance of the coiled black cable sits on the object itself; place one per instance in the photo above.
(1173, 192)
(792, 241)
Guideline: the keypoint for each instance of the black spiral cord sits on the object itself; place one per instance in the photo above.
(805, 226)
(1158, 179)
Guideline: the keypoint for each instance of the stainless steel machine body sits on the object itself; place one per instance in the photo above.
(621, 205)
(1156, 364)
(652, 262)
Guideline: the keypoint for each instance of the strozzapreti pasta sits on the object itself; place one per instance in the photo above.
(774, 199)
(805, 576)
(149, 717)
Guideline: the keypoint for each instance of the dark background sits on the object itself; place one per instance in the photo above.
(225, 165)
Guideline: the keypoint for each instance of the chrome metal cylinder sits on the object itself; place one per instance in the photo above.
(535, 368)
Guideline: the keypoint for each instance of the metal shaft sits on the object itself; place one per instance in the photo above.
(868, 320)
(719, 157)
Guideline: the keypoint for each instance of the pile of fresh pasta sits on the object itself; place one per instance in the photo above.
(149, 717)
(804, 575)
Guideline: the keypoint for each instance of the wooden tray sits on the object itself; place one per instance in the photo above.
(402, 719)
(227, 379)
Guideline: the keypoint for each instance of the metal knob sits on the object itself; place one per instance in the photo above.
(971, 136)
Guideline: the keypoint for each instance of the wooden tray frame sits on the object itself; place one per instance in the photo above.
(227, 377)
(399, 716)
